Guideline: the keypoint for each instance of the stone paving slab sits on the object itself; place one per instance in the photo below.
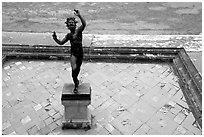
(32, 105)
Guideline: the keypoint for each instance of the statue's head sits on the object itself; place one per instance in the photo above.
(71, 23)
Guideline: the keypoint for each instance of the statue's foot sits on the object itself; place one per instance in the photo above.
(75, 90)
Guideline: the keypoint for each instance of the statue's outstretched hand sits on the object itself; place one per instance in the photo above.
(54, 35)
(76, 12)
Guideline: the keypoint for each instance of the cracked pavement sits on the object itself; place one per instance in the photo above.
(127, 99)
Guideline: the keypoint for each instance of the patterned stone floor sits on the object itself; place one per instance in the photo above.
(130, 99)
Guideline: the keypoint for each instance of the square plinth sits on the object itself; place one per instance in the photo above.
(76, 114)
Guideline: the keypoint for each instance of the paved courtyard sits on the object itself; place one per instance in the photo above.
(129, 99)
(126, 98)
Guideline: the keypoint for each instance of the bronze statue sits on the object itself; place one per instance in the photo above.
(75, 37)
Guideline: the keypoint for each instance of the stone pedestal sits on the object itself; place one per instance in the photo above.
(76, 113)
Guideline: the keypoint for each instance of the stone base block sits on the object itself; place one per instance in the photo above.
(76, 113)
(77, 123)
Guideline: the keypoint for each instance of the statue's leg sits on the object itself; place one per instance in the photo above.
(74, 71)
(78, 64)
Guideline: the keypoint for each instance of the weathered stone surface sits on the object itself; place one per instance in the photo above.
(104, 108)
(76, 114)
